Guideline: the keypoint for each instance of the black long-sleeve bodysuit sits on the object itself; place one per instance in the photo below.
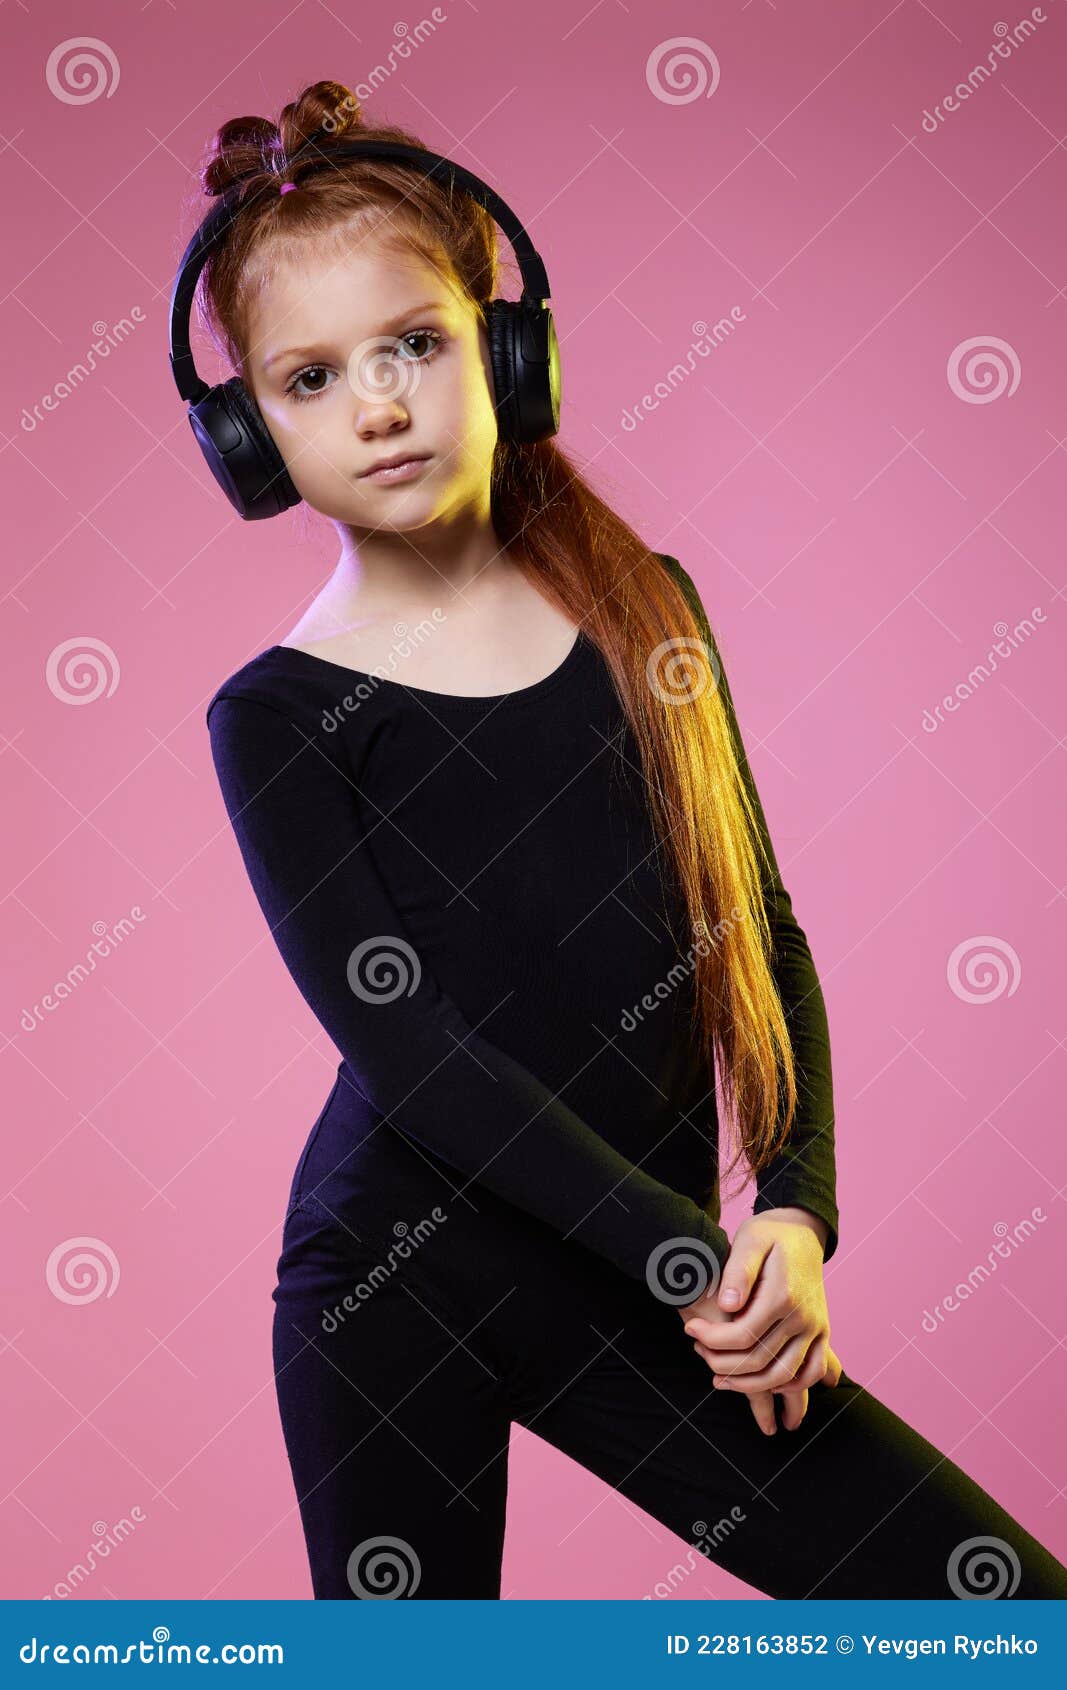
(468, 895)
(494, 857)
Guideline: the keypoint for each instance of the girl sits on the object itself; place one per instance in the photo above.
(493, 801)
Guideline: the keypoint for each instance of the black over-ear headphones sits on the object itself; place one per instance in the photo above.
(226, 420)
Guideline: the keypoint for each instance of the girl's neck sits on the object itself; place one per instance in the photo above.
(407, 579)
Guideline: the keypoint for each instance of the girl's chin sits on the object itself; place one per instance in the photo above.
(391, 511)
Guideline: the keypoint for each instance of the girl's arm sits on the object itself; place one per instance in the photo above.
(803, 1174)
(292, 804)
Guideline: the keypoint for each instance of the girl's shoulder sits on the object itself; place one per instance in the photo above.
(290, 681)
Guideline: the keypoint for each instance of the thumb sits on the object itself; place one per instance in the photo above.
(739, 1275)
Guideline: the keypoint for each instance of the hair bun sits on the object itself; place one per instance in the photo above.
(252, 146)
(325, 106)
(245, 146)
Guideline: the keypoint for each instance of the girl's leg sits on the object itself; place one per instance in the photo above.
(854, 1503)
(393, 1420)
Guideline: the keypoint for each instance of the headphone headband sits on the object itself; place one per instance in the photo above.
(213, 229)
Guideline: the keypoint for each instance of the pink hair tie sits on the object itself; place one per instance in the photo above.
(287, 187)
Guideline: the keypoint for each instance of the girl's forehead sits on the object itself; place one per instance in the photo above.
(320, 279)
(342, 262)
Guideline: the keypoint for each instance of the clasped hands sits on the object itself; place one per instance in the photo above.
(765, 1329)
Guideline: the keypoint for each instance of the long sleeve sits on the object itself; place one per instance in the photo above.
(803, 1173)
(292, 804)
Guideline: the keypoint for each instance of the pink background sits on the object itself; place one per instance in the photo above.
(857, 527)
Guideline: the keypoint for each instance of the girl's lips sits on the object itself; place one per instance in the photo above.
(398, 472)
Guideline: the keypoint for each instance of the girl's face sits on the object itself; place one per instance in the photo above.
(367, 357)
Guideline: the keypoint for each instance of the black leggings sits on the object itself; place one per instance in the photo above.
(397, 1411)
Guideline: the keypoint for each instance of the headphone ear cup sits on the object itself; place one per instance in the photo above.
(241, 453)
(524, 355)
(501, 356)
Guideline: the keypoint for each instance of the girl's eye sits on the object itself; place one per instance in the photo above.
(309, 370)
(424, 334)
(435, 338)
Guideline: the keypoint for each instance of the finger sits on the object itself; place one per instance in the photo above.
(739, 1275)
(810, 1371)
(762, 1353)
(774, 1378)
(766, 1310)
(767, 1303)
(763, 1408)
(794, 1408)
(762, 1404)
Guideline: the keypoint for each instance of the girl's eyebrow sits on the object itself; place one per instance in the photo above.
(386, 328)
